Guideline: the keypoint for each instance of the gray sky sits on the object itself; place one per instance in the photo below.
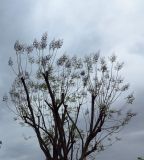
(86, 26)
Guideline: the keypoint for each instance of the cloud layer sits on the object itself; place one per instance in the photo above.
(86, 26)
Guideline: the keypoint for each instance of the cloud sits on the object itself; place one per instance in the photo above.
(86, 26)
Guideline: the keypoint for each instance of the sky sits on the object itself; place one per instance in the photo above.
(113, 26)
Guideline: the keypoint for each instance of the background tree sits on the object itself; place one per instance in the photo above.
(68, 101)
(140, 158)
(0, 143)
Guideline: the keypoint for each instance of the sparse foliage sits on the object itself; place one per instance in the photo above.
(68, 101)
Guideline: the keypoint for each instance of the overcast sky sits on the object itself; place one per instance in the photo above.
(86, 26)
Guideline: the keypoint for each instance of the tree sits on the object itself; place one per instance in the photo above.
(68, 101)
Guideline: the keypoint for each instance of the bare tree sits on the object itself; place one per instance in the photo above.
(68, 101)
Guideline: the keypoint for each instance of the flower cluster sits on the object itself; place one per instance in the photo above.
(43, 41)
(62, 60)
(125, 87)
(113, 58)
(130, 98)
(36, 44)
(5, 98)
(119, 66)
(42, 44)
(96, 57)
(88, 62)
(29, 49)
(55, 44)
(10, 62)
(19, 47)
